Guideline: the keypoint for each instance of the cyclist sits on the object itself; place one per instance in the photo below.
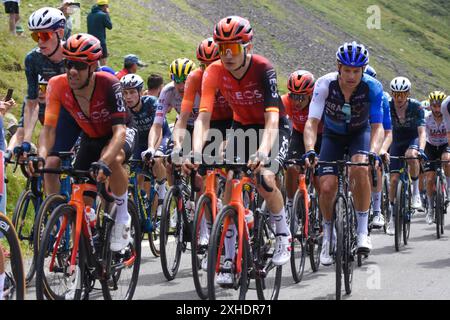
(301, 86)
(408, 139)
(94, 100)
(249, 84)
(348, 100)
(143, 109)
(436, 148)
(445, 105)
(171, 98)
(378, 218)
(45, 61)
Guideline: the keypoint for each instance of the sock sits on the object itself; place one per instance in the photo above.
(448, 183)
(281, 227)
(122, 215)
(415, 183)
(204, 228)
(161, 188)
(376, 202)
(430, 202)
(230, 242)
(2, 283)
(362, 217)
(326, 230)
(289, 202)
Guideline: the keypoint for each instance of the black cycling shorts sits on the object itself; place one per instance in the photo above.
(297, 146)
(433, 153)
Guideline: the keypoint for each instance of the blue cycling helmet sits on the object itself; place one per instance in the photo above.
(107, 69)
(370, 71)
(352, 55)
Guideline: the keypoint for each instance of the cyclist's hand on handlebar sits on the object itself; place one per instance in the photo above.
(34, 164)
(100, 171)
(258, 160)
(423, 155)
(176, 156)
(148, 155)
(385, 157)
(373, 156)
(310, 158)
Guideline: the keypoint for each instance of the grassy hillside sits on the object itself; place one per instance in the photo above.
(413, 40)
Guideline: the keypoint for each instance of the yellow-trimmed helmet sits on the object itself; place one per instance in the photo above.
(436, 97)
(180, 68)
(102, 2)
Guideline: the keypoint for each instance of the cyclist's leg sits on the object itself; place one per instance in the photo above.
(67, 133)
(295, 151)
(432, 153)
(414, 171)
(446, 157)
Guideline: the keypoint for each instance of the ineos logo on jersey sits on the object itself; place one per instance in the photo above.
(247, 95)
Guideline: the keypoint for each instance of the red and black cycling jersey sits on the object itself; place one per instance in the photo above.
(250, 97)
(106, 108)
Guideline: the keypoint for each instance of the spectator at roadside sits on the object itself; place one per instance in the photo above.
(67, 7)
(131, 63)
(12, 8)
(155, 84)
(97, 23)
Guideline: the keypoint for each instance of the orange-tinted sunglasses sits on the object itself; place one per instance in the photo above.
(399, 94)
(43, 35)
(230, 48)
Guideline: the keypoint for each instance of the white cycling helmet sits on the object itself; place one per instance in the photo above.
(46, 18)
(41, 80)
(132, 81)
(400, 84)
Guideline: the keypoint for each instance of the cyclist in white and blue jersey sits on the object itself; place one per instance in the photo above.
(350, 103)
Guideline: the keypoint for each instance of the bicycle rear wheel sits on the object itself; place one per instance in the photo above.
(315, 234)
(399, 208)
(54, 279)
(298, 244)
(385, 207)
(340, 209)
(268, 276)
(349, 246)
(123, 266)
(199, 251)
(154, 237)
(439, 207)
(216, 256)
(171, 233)
(23, 220)
(14, 286)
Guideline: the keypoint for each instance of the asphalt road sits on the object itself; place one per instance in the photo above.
(421, 270)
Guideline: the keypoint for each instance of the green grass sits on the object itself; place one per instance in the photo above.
(413, 33)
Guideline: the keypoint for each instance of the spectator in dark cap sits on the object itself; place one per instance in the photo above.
(131, 63)
(97, 23)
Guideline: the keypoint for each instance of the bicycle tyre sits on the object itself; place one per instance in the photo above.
(42, 283)
(298, 238)
(349, 246)
(399, 206)
(407, 214)
(439, 207)
(339, 207)
(171, 273)
(204, 203)
(155, 234)
(16, 260)
(315, 234)
(385, 207)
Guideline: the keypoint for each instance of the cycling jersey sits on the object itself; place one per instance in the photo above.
(387, 122)
(106, 109)
(297, 115)
(446, 112)
(193, 92)
(38, 64)
(328, 101)
(436, 133)
(404, 132)
(170, 98)
(249, 97)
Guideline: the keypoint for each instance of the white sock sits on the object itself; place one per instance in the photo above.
(448, 183)
(376, 202)
(204, 228)
(289, 202)
(326, 230)
(161, 189)
(230, 242)
(281, 226)
(2, 283)
(362, 218)
(430, 202)
(122, 215)
(415, 184)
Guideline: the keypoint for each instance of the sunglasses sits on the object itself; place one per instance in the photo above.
(399, 94)
(297, 97)
(178, 79)
(77, 65)
(231, 48)
(43, 35)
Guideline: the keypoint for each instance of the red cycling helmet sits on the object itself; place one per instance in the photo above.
(301, 82)
(208, 51)
(233, 29)
(82, 47)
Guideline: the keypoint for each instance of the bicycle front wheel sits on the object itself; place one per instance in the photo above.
(14, 286)
(298, 254)
(171, 233)
(349, 246)
(237, 289)
(340, 209)
(440, 207)
(399, 209)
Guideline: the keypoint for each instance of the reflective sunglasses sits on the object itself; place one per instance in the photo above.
(43, 35)
(177, 79)
(78, 65)
(297, 97)
(230, 48)
(399, 94)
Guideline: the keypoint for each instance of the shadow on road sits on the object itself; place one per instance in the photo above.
(436, 264)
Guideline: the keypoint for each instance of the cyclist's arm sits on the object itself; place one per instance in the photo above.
(422, 129)
(376, 134)
(179, 131)
(316, 108)
(310, 133)
(376, 115)
(163, 107)
(201, 128)
(445, 113)
(115, 145)
(32, 105)
(387, 141)
(46, 141)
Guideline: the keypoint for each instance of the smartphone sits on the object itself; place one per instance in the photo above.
(9, 94)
